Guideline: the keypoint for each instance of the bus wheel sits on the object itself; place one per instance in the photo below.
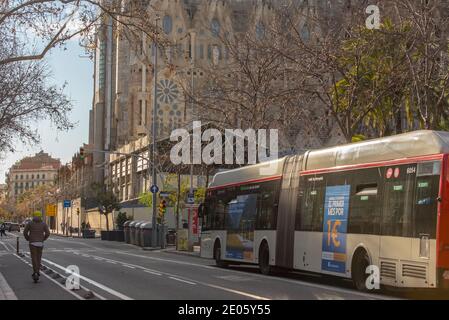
(359, 265)
(264, 259)
(217, 255)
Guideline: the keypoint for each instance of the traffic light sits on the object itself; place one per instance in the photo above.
(82, 154)
(162, 208)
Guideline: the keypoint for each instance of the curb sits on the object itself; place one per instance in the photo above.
(151, 249)
(72, 237)
(6, 293)
(183, 253)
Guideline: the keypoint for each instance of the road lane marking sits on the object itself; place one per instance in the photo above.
(296, 282)
(72, 242)
(291, 281)
(8, 246)
(185, 279)
(249, 295)
(166, 260)
(52, 280)
(152, 272)
(3, 244)
(325, 296)
(92, 282)
(181, 280)
(63, 277)
(6, 293)
(128, 266)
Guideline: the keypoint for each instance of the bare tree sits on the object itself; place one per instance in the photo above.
(26, 98)
(247, 84)
(370, 81)
(427, 55)
(29, 29)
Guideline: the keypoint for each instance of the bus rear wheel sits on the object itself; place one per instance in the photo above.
(217, 255)
(264, 259)
(359, 265)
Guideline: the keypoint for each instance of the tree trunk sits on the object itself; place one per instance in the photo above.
(107, 221)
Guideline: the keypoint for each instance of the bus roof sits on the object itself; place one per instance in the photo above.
(407, 145)
(262, 171)
(402, 146)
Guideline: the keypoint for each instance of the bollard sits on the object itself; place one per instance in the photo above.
(18, 251)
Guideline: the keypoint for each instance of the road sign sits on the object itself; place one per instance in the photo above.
(154, 189)
(164, 194)
(67, 203)
(191, 198)
(50, 210)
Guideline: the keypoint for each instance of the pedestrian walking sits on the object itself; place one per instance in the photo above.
(2, 230)
(36, 232)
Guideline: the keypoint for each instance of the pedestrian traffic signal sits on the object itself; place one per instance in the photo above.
(162, 208)
(82, 153)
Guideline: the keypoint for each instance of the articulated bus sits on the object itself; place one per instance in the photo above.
(382, 203)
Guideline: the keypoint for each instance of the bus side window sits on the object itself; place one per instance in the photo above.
(364, 215)
(219, 215)
(310, 208)
(397, 207)
(267, 207)
(425, 213)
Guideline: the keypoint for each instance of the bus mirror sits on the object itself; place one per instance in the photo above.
(439, 199)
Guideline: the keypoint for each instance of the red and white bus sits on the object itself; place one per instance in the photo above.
(336, 211)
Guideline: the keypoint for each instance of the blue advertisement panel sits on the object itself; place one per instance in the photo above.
(336, 210)
(240, 220)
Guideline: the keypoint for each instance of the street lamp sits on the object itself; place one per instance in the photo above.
(154, 133)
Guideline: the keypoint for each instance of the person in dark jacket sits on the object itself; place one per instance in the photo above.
(36, 232)
(3, 229)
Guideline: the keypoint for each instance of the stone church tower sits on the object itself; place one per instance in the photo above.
(124, 81)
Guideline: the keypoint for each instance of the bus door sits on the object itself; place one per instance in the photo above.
(285, 235)
(397, 217)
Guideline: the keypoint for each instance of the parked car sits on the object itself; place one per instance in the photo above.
(25, 222)
(13, 227)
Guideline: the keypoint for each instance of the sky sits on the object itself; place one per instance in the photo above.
(70, 66)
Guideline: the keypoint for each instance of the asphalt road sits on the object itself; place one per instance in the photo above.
(110, 270)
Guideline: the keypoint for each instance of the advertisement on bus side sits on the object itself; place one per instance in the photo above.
(335, 227)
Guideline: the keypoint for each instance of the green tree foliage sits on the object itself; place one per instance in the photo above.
(121, 218)
(371, 92)
(106, 200)
(176, 198)
(393, 80)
